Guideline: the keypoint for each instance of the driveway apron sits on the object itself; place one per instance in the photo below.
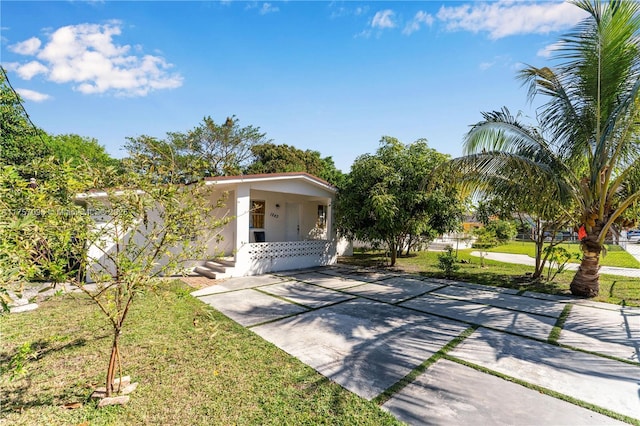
(475, 354)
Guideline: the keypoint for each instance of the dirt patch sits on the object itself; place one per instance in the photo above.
(200, 282)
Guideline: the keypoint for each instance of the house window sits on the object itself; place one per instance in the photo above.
(322, 216)
(256, 220)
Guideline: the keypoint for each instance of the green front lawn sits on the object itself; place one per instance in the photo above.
(613, 289)
(194, 366)
(615, 255)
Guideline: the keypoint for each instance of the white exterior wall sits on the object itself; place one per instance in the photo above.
(344, 247)
(274, 217)
(106, 246)
(276, 220)
(226, 245)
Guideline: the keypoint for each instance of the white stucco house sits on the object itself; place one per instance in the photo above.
(281, 221)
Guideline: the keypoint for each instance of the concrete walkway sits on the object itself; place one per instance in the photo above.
(499, 362)
(523, 259)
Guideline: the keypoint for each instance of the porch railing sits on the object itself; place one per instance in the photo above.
(288, 249)
(259, 258)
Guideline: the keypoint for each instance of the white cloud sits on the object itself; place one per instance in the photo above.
(548, 50)
(383, 19)
(502, 61)
(32, 95)
(486, 65)
(418, 20)
(3, 30)
(341, 11)
(86, 56)
(268, 8)
(27, 47)
(361, 10)
(506, 17)
(30, 69)
(262, 10)
(363, 34)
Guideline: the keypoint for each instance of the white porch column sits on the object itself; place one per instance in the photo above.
(242, 226)
(331, 234)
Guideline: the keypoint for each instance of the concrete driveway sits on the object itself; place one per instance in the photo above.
(473, 354)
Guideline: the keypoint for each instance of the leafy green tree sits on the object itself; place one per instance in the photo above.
(384, 199)
(210, 149)
(146, 230)
(272, 158)
(631, 216)
(591, 118)
(20, 141)
(79, 150)
(125, 238)
(38, 223)
(485, 238)
(508, 196)
(504, 230)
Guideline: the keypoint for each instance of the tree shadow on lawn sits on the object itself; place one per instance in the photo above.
(14, 398)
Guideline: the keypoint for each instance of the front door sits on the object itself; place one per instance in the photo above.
(293, 222)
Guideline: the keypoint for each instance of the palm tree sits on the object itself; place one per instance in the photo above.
(512, 162)
(591, 118)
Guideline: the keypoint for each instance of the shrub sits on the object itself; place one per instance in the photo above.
(495, 233)
(485, 239)
(448, 262)
(503, 230)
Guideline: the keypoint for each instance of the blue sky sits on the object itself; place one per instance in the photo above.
(328, 76)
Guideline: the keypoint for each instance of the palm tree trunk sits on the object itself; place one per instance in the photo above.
(586, 282)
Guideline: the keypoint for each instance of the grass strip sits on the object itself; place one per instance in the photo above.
(284, 299)
(413, 374)
(419, 295)
(548, 392)
(554, 335)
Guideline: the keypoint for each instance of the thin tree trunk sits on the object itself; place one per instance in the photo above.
(113, 360)
(394, 256)
(393, 249)
(539, 264)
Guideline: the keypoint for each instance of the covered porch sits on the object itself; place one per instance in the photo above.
(281, 221)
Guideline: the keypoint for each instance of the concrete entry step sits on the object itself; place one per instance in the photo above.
(216, 269)
(210, 273)
(226, 261)
(214, 266)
